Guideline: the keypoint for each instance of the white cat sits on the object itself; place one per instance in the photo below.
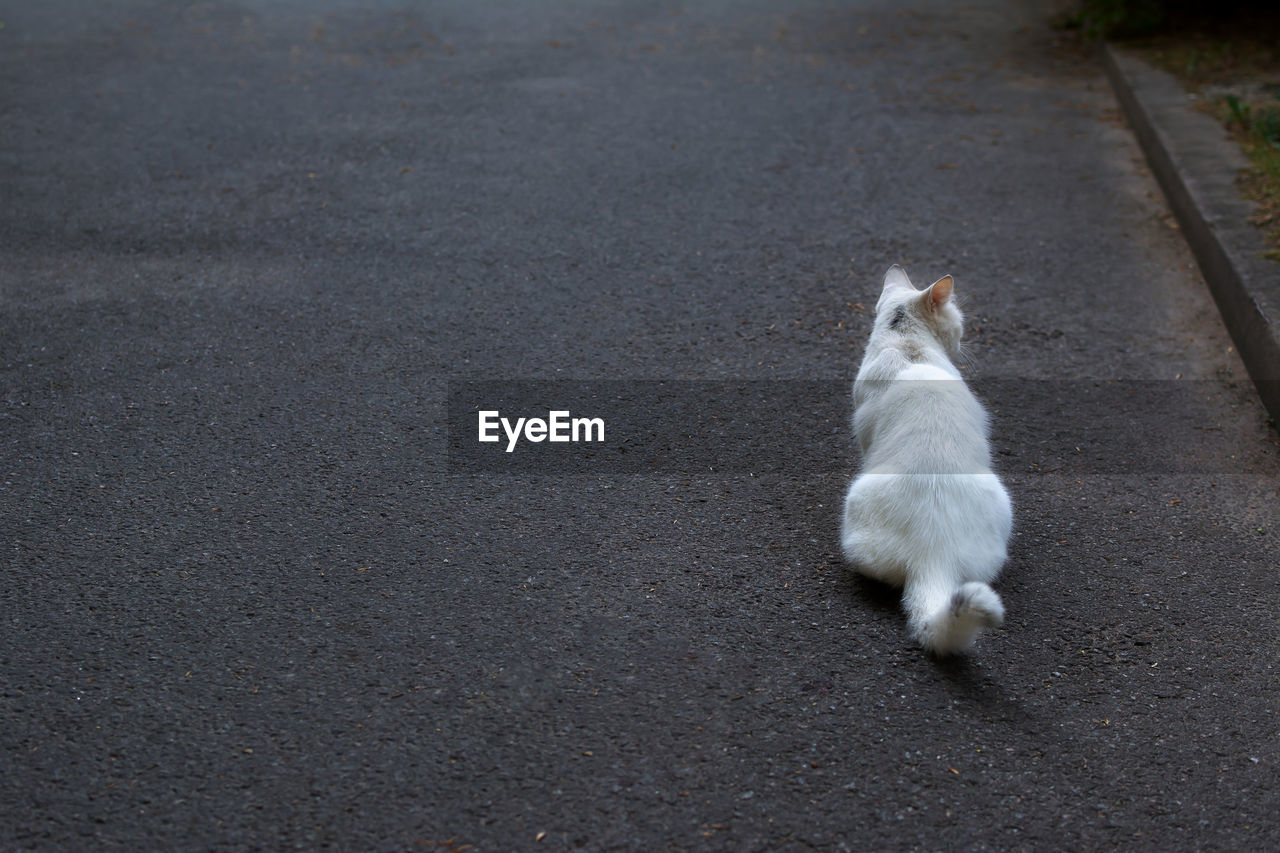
(926, 512)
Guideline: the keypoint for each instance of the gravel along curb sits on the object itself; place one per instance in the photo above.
(1196, 163)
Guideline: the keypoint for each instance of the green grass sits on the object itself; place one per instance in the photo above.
(1238, 75)
(1228, 51)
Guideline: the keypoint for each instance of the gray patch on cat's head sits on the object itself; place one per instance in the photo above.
(910, 318)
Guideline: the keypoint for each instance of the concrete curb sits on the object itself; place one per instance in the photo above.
(1196, 163)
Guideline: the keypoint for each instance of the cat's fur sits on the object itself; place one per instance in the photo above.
(926, 512)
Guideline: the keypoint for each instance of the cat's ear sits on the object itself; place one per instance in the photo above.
(896, 278)
(938, 293)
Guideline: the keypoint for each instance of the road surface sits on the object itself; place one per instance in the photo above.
(260, 263)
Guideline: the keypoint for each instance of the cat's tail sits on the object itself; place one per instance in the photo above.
(945, 618)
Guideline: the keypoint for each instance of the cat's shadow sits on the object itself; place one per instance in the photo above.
(881, 597)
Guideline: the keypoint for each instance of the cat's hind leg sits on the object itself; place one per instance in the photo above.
(859, 544)
(860, 539)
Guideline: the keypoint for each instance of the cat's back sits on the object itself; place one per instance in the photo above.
(924, 420)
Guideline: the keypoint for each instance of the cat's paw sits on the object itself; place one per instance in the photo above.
(978, 603)
(973, 608)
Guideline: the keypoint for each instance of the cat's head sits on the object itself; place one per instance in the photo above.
(932, 311)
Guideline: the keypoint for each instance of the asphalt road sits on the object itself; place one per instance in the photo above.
(257, 260)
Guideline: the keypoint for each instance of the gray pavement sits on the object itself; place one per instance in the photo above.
(251, 255)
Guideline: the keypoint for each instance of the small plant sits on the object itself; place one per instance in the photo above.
(1266, 126)
(1239, 112)
(1261, 125)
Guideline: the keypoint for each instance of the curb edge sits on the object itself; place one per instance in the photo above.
(1208, 208)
